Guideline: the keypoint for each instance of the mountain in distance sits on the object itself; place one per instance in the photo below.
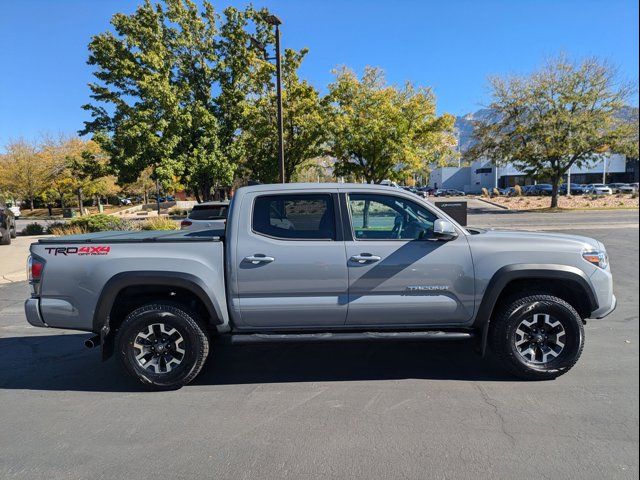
(464, 125)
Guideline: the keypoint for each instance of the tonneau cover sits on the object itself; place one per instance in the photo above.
(139, 237)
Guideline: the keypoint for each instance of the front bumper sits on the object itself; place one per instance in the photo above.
(607, 310)
(32, 312)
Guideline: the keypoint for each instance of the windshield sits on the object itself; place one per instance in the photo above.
(209, 212)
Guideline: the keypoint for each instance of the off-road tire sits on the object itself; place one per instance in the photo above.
(503, 337)
(196, 344)
(13, 233)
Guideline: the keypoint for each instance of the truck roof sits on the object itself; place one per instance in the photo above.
(267, 187)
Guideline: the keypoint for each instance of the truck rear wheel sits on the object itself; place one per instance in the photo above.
(162, 345)
(537, 337)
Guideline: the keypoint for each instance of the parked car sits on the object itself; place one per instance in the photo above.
(545, 189)
(575, 189)
(7, 224)
(430, 191)
(616, 187)
(125, 201)
(628, 188)
(598, 189)
(207, 216)
(527, 190)
(331, 273)
(449, 192)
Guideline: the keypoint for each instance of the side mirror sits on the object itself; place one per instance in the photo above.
(444, 230)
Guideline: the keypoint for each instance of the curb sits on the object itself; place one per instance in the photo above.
(491, 203)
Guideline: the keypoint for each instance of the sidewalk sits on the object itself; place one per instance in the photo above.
(13, 259)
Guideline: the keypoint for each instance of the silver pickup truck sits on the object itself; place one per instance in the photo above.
(322, 262)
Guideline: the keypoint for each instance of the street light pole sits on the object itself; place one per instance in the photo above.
(276, 22)
(279, 95)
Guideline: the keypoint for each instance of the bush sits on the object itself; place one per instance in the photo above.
(159, 223)
(90, 224)
(179, 212)
(518, 190)
(33, 229)
(485, 192)
(495, 192)
(97, 223)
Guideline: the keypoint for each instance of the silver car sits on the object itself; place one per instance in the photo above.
(598, 189)
(206, 216)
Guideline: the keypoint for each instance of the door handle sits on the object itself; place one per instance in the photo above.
(365, 258)
(257, 259)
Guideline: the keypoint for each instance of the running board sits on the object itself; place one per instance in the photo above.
(244, 339)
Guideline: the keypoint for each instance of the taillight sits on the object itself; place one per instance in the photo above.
(34, 273)
(185, 223)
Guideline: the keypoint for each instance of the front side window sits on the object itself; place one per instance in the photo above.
(386, 217)
(296, 216)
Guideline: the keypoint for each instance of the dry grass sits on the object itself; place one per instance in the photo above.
(159, 223)
(67, 230)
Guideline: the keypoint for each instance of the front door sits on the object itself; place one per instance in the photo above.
(399, 274)
(291, 263)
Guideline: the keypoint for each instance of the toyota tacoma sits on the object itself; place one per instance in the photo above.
(319, 263)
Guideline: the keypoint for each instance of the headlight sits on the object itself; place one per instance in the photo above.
(597, 258)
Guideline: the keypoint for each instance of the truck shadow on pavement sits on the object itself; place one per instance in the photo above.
(60, 362)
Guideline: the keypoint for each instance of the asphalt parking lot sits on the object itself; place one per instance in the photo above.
(407, 410)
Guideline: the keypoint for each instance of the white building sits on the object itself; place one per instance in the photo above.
(484, 174)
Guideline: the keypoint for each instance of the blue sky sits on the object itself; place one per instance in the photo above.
(449, 45)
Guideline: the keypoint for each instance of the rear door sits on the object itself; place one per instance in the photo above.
(290, 262)
(399, 274)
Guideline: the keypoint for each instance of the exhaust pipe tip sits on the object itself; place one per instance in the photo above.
(92, 342)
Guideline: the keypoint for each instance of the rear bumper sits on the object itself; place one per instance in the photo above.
(32, 312)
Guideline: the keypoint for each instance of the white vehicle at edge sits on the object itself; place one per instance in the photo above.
(15, 209)
(389, 183)
(598, 189)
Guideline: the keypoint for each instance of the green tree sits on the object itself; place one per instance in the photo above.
(303, 120)
(379, 131)
(154, 103)
(565, 114)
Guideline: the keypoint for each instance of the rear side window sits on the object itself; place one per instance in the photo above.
(209, 212)
(302, 216)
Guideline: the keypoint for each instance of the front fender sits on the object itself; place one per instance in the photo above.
(509, 273)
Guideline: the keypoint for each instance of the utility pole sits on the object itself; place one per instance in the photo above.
(276, 22)
(279, 95)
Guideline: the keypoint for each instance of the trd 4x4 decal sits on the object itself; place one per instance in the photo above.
(97, 250)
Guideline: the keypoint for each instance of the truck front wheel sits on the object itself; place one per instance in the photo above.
(537, 337)
(162, 345)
